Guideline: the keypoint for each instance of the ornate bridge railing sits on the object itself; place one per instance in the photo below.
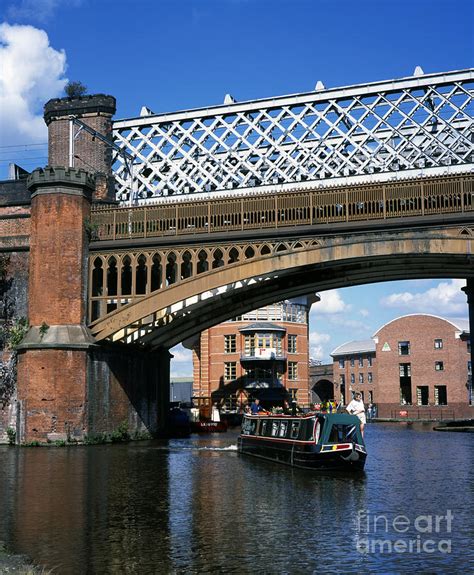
(420, 197)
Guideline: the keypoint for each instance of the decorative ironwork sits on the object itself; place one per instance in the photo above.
(123, 277)
(420, 122)
(418, 197)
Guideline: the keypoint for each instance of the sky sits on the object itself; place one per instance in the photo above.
(181, 54)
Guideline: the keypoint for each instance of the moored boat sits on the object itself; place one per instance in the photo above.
(318, 441)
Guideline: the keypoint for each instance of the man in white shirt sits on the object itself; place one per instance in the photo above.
(356, 407)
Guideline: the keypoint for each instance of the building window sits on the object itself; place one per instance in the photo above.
(353, 379)
(292, 370)
(439, 366)
(438, 344)
(230, 370)
(361, 378)
(352, 362)
(469, 371)
(342, 379)
(468, 346)
(369, 377)
(291, 343)
(403, 348)
(440, 395)
(361, 361)
(369, 361)
(230, 344)
(341, 364)
(422, 395)
(371, 397)
(405, 369)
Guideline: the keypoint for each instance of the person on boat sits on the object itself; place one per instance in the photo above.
(356, 407)
(256, 408)
(286, 407)
(215, 414)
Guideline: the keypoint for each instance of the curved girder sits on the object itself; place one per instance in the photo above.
(189, 306)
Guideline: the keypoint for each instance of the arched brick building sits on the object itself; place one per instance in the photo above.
(415, 366)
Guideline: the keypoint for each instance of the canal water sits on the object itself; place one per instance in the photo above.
(197, 506)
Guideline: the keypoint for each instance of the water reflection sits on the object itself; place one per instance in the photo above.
(196, 506)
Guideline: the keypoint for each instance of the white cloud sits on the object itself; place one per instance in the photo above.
(36, 10)
(364, 312)
(331, 302)
(317, 349)
(446, 299)
(32, 72)
(181, 354)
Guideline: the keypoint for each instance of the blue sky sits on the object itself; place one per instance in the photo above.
(171, 55)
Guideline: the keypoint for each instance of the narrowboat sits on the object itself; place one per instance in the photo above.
(317, 441)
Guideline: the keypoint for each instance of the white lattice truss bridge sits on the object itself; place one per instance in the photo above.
(370, 132)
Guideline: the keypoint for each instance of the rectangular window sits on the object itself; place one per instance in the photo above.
(369, 361)
(292, 370)
(353, 379)
(342, 379)
(230, 343)
(440, 395)
(291, 343)
(361, 361)
(403, 348)
(371, 397)
(352, 362)
(422, 395)
(405, 369)
(361, 378)
(341, 364)
(369, 377)
(230, 370)
(438, 344)
(439, 366)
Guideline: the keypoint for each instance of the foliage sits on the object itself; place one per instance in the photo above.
(33, 443)
(13, 332)
(120, 434)
(11, 434)
(43, 329)
(75, 89)
(91, 229)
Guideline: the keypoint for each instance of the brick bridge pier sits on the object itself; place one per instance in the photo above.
(69, 387)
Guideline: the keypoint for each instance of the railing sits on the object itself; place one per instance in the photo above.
(424, 412)
(442, 195)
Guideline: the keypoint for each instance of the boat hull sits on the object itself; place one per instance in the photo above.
(208, 426)
(316, 441)
(308, 457)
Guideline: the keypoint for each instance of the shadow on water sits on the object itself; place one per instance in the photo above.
(195, 505)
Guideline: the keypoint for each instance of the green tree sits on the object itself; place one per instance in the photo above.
(75, 89)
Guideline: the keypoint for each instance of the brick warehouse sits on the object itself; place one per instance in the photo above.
(262, 354)
(416, 366)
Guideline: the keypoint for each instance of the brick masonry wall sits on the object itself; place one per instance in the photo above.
(209, 367)
(421, 331)
(53, 394)
(57, 286)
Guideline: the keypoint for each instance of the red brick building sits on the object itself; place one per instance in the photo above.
(263, 353)
(416, 366)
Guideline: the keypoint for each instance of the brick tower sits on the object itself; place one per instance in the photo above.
(70, 146)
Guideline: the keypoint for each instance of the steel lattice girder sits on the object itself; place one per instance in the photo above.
(420, 122)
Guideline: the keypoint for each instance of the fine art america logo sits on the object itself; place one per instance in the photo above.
(383, 534)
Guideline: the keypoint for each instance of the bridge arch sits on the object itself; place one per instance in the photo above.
(165, 318)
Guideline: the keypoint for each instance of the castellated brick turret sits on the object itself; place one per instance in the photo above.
(89, 153)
